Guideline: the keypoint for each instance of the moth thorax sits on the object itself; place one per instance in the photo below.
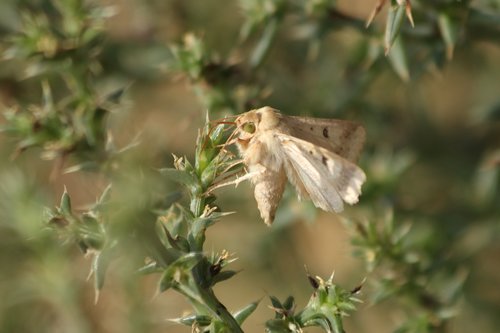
(269, 118)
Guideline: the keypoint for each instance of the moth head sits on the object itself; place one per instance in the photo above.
(251, 122)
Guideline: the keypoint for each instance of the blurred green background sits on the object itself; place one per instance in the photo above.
(432, 114)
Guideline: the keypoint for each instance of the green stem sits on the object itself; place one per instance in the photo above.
(216, 308)
(197, 206)
(339, 326)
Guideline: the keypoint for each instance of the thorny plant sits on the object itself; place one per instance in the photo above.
(64, 43)
(179, 256)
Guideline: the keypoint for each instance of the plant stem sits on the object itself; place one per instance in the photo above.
(217, 309)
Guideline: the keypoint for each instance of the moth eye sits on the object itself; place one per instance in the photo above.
(249, 127)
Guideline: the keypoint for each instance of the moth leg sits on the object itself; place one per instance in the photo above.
(238, 180)
(230, 166)
(222, 182)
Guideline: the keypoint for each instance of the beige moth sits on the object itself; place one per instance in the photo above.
(317, 156)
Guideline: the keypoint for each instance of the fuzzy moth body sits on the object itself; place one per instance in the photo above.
(316, 155)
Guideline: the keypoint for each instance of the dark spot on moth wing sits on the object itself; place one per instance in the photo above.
(311, 128)
(325, 132)
(310, 152)
(324, 160)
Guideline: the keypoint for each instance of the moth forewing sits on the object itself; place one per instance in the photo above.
(344, 138)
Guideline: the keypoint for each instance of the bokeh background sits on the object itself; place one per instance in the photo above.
(431, 110)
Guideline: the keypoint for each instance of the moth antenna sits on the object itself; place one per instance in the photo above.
(223, 119)
(220, 121)
(230, 140)
(225, 123)
(213, 128)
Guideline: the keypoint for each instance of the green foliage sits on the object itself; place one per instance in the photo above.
(428, 217)
(62, 42)
(328, 305)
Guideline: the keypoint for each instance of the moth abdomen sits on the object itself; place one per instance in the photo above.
(269, 187)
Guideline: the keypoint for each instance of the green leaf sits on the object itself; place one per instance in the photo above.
(281, 326)
(65, 205)
(179, 268)
(395, 17)
(218, 326)
(182, 243)
(201, 320)
(222, 276)
(169, 237)
(198, 225)
(209, 172)
(289, 303)
(449, 33)
(150, 268)
(95, 126)
(277, 306)
(115, 96)
(243, 314)
(346, 306)
(217, 134)
(100, 264)
(276, 303)
(204, 157)
(183, 177)
(179, 242)
(398, 60)
(320, 320)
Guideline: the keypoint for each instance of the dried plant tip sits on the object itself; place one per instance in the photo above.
(378, 7)
(409, 14)
(314, 283)
(357, 289)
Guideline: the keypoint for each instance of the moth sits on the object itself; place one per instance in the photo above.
(316, 155)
